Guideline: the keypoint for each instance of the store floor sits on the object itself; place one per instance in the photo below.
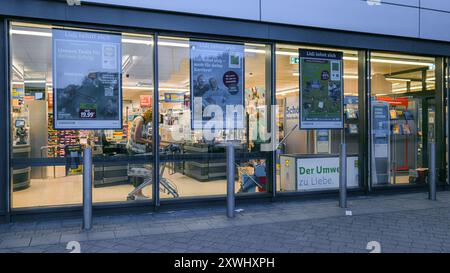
(67, 190)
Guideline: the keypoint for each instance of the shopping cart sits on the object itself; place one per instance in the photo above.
(145, 172)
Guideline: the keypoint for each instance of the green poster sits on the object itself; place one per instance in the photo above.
(321, 92)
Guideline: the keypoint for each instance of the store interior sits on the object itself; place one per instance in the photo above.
(404, 85)
(32, 110)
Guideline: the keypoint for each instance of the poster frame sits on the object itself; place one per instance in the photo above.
(339, 56)
(191, 86)
(120, 90)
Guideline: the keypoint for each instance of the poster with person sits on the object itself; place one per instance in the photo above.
(217, 84)
(321, 96)
(86, 80)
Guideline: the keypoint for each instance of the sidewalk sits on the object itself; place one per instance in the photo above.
(400, 223)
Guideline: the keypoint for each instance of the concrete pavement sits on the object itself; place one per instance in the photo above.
(399, 223)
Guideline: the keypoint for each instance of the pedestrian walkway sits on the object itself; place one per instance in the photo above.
(399, 223)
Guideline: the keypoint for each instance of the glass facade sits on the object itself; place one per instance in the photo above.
(197, 79)
(403, 117)
(51, 182)
(314, 149)
(194, 69)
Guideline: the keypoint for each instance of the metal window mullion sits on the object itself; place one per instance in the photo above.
(447, 122)
(5, 126)
(155, 126)
(273, 100)
(368, 122)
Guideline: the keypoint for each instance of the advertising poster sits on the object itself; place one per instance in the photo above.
(86, 80)
(217, 79)
(173, 97)
(321, 89)
(323, 173)
(145, 100)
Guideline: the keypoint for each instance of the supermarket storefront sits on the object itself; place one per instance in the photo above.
(394, 105)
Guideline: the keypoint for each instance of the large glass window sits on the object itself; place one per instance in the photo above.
(307, 160)
(219, 74)
(403, 117)
(54, 177)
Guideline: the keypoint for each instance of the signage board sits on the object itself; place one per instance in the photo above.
(323, 173)
(321, 89)
(217, 84)
(86, 80)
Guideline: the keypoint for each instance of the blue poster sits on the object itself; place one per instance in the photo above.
(86, 80)
(217, 84)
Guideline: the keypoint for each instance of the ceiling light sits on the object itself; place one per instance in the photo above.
(288, 91)
(34, 81)
(32, 33)
(397, 79)
(389, 61)
(136, 41)
(252, 50)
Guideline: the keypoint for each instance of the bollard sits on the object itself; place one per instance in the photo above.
(230, 180)
(432, 176)
(87, 188)
(343, 177)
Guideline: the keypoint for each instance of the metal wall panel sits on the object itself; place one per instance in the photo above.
(352, 15)
(443, 5)
(242, 9)
(412, 3)
(434, 25)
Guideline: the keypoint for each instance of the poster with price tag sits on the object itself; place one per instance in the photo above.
(86, 80)
(321, 86)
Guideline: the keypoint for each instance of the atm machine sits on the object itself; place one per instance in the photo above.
(380, 143)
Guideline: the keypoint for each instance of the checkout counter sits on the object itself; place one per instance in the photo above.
(205, 170)
(21, 175)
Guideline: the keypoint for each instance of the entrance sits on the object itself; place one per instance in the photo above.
(403, 118)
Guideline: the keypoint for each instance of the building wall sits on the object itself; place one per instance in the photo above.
(425, 19)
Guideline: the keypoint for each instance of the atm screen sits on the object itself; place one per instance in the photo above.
(20, 123)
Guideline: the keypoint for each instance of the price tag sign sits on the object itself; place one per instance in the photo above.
(88, 111)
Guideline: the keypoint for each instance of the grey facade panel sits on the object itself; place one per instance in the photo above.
(246, 9)
(411, 3)
(434, 25)
(442, 5)
(351, 15)
(183, 23)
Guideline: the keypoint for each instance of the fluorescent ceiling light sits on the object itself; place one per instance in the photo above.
(347, 58)
(173, 44)
(30, 32)
(175, 89)
(252, 50)
(136, 41)
(389, 61)
(288, 91)
(34, 81)
(17, 71)
(286, 53)
(400, 80)
(412, 88)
